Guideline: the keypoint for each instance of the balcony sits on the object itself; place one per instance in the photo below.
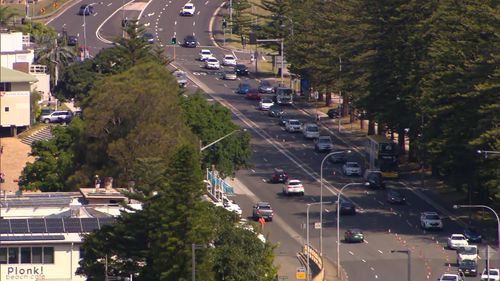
(38, 69)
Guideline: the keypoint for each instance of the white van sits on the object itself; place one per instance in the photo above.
(310, 131)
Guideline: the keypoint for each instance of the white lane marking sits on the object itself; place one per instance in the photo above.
(408, 223)
(105, 20)
(151, 14)
(265, 160)
(365, 241)
(363, 260)
(264, 180)
(376, 276)
(198, 13)
(194, 23)
(206, 3)
(175, 22)
(352, 254)
(109, 4)
(372, 269)
(380, 252)
(380, 202)
(95, 14)
(304, 145)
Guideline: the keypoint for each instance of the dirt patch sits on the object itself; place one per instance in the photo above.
(14, 156)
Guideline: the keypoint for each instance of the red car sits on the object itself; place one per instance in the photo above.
(253, 94)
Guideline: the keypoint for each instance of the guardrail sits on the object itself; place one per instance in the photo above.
(317, 260)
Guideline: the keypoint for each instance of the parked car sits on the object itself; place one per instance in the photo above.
(354, 235)
(275, 111)
(72, 40)
(468, 267)
(310, 131)
(351, 168)
(279, 176)
(148, 37)
(333, 113)
(395, 197)
(293, 125)
(86, 10)
(472, 235)
(346, 207)
(229, 60)
(430, 220)
(265, 104)
(230, 75)
(374, 179)
(212, 63)
(188, 9)
(241, 70)
(338, 157)
(190, 41)
(266, 87)
(323, 143)
(252, 94)
(62, 117)
(457, 240)
(293, 187)
(262, 210)
(243, 88)
(205, 54)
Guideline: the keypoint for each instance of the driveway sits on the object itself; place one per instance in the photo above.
(14, 156)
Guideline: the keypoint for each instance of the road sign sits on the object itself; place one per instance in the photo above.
(317, 225)
(301, 273)
(278, 60)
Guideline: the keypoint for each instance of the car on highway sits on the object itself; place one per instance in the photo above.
(492, 275)
(86, 10)
(323, 144)
(190, 42)
(283, 119)
(374, 179)
(62, 117)
(212, 63)
(265, 104)
(275, 111)
(293, 187)
(468, 252)
(229, 60)
(468, 267)
(252, 94)
(346, 207)
(338, 157)
(456, 240)
(188, 9)
(241, 70)
(430, 220)
(310, 131)
(265, 87)
(354, 235)
(351, 168)
(243, 88)
(395, 197)
(181, 78)
(230, 75)
(148, 37)
(278, 176)
(72, 40)
(205, 54)
(262, 210)
(293, 125)
(333, 113)
(472, 235)
(450, 277)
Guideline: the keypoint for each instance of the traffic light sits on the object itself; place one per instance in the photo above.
(174, 41)
(224, 23)
(253, 38)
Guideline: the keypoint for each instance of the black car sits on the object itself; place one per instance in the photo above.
(347, 208)
(148, 37)
(241, 69)
(340, 157)
(72, 40)
(190, 41)
(472, 235)
(375, 180)
(275, 111)
(395, 197)
(265, 87)
(468, 267)
(279, 176)
(283, 119)
(86, 10)
(333, 113)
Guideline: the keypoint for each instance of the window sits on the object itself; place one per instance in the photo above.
(3, 255)
(36, 255)
(48, 255)
(6, 87)
(25, 255)
(82, 252)
(7, 109)
(13, 255)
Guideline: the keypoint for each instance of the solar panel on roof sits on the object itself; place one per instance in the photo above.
(31, 237)
(54, 225)
(89, 224)
(37, 225)
(4, 226)
(72, 225)
(19, 225)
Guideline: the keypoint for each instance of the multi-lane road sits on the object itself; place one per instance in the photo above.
(386, 227)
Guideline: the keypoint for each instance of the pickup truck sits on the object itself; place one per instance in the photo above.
(262, 210)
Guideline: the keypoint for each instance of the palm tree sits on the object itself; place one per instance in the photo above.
(7, 15)
(54, 55)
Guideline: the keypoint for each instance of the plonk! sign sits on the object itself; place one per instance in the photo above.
(24, 273)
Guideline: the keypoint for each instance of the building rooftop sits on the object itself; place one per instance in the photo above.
(9, 75)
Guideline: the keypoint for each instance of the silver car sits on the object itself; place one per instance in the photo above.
(230, 75)
(62, 117)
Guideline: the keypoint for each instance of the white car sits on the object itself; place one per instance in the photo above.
(188, 9)
(457, 240)
(293, 187)
(265, 104)
(450, 277)
(205, 54)
(310, 131)
(293, 125)
(212, 63)
(430, 220)
(351, 168)
(467, 253)
(229, 60)
(494, 275)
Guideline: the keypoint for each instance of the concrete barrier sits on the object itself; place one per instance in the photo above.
(317, 260)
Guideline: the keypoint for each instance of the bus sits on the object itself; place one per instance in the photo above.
(383, 155)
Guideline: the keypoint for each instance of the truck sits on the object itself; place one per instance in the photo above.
(283, 96)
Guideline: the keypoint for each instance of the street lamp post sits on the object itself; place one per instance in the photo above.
(307, 235)
(494, 213)
(408, 252)
(85, 31)
(194, 247)
(321, 197)
(219, 139)
(338, 222)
